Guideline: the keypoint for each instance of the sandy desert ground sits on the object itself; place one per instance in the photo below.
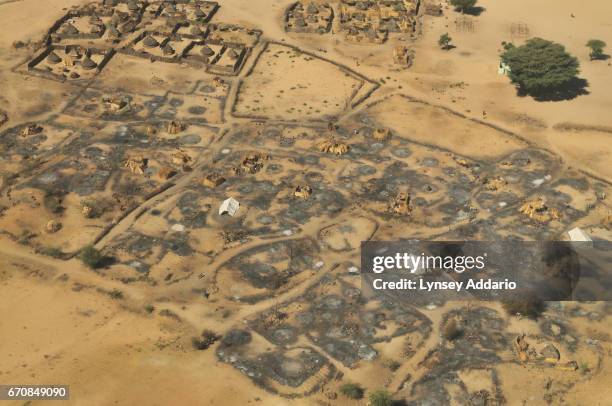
(135, 156)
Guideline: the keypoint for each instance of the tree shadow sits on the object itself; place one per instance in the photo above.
(602, 57)
(106, 261)
(474, 11)
(574, 88)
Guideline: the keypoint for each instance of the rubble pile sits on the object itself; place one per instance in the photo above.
(253, 163)
(547, 355)
(87, 210)
(114, 104)
(180, 158)
(537, 210)
(382, 134)
(213, 180)
(403, 56)
(53, 226)
(166, 173)
(494, 184)
(137, 165)
(32, 129)
(175, 127)
(333, 147)
(401, 204)
(302, 191)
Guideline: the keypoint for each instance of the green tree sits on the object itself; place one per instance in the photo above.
(52, 252)
(445, 41)
(352, 390)
(463, 5)
(380, 398)
(91, 256)
(540, 66)
(597, 48)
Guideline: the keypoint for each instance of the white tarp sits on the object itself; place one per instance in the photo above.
(229, 206)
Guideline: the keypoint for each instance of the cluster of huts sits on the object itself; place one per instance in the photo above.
(361, 21)
(167, 30)
(215, 54)
(372, 20)
(309, 17)
(62, 62)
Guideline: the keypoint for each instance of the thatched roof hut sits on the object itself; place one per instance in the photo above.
(168, 50)
(70, 29)
(132, 5)
(113, 32)
(312, 9)
(150, 42)
(207, 51)
(232, 53)
(128, 27)
(199, 13)
(53, 58)
(88, 64)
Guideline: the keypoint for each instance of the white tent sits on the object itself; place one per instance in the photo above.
(504, 68)
(577, 234)
(229, 206)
